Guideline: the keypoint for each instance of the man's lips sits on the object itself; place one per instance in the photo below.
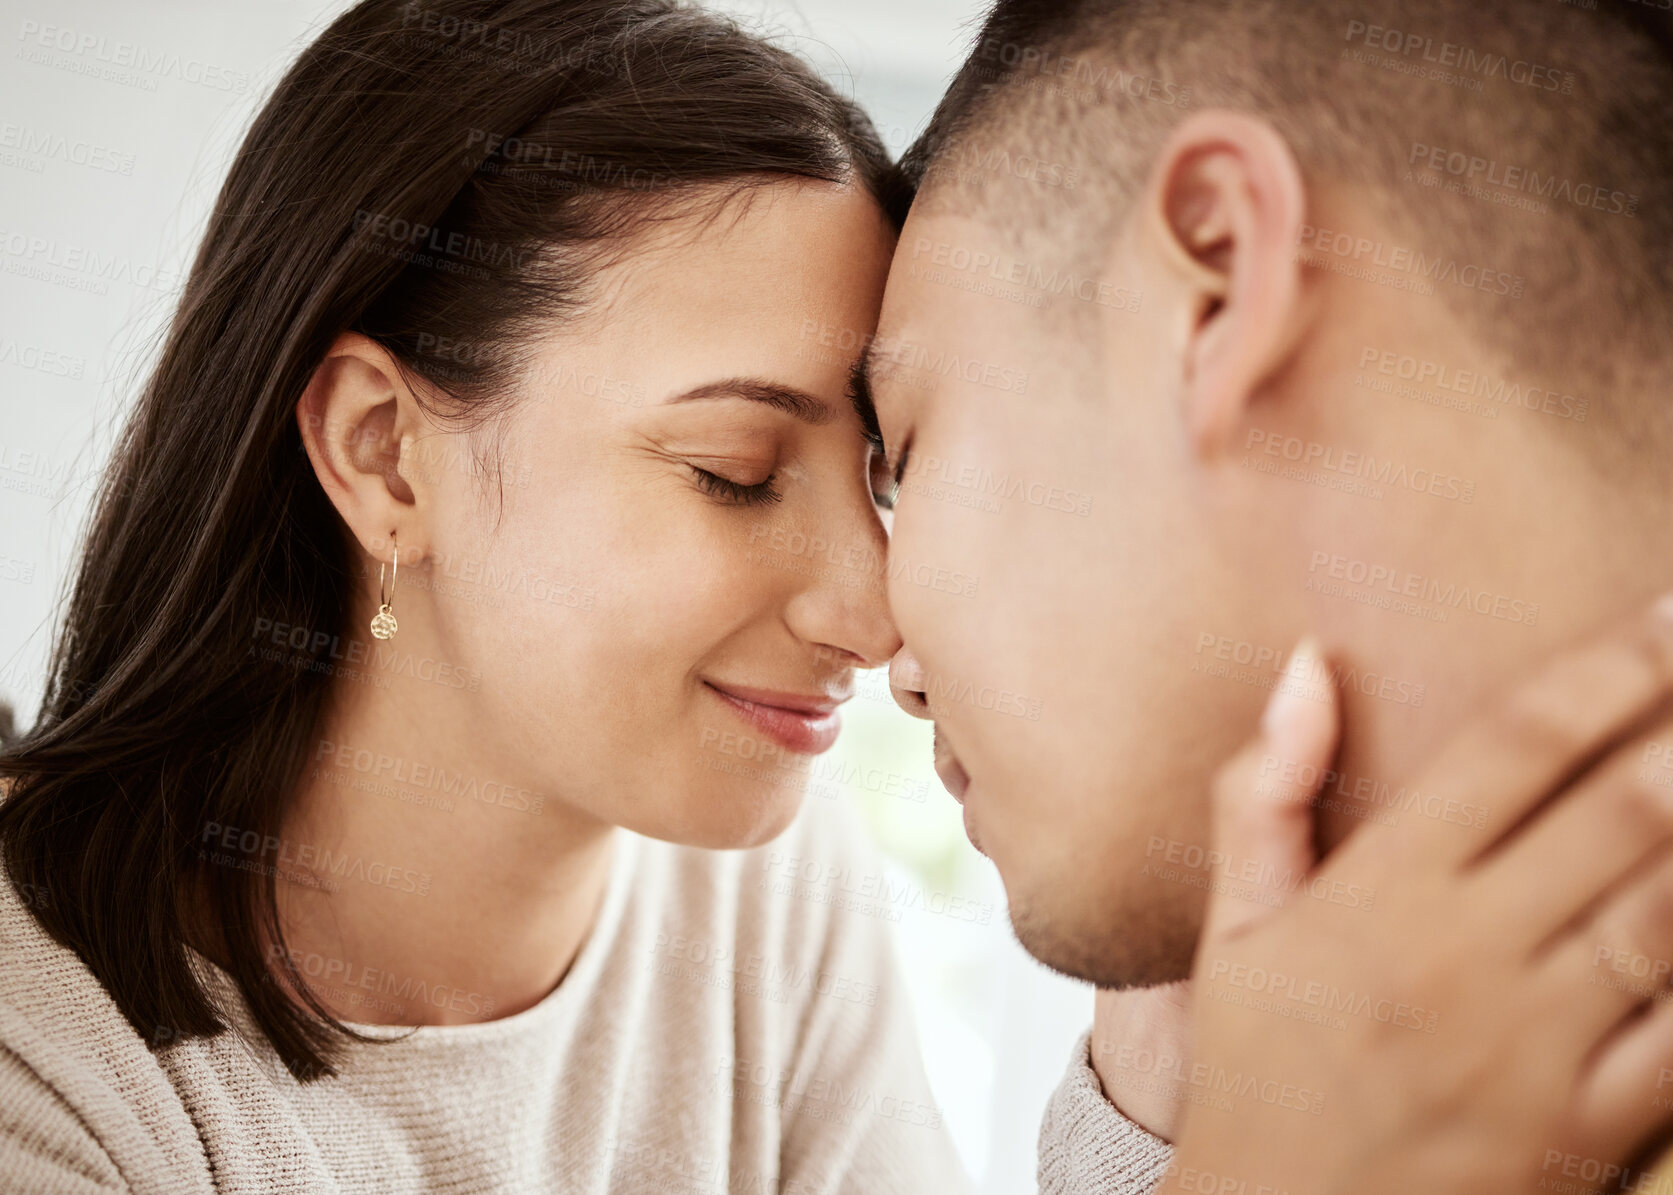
(957, 782)
(804, 723)
(952, 773)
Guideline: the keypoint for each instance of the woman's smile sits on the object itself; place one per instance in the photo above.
(803, 723)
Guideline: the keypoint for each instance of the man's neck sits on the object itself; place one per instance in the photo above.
(1557, 563)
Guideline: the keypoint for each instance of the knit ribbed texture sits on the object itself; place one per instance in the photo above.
(735, 1023)
(1087, 1147)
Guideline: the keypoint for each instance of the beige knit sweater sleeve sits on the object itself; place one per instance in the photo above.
(1089, 1148)
(44, 1147)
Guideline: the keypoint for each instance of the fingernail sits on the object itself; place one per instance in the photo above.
(1289, 701)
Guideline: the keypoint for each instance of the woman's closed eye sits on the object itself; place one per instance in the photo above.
(736, 493)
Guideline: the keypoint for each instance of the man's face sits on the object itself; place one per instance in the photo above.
(1068, 672)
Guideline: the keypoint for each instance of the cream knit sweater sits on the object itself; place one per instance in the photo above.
(734, 1023)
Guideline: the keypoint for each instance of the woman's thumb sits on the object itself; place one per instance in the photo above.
(1263, 797)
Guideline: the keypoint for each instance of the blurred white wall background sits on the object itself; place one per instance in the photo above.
(997, 1027)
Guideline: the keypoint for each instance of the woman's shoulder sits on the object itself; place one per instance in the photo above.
(45, 989)
(44, 1146)
(79, 1088)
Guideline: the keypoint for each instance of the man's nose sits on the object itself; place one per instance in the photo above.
(907, 683)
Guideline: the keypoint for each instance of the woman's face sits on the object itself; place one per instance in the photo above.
(687, 567)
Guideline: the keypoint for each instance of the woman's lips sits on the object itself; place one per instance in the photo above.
(800, 723)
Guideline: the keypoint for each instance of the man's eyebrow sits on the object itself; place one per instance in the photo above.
(859, 393)
(798, 404)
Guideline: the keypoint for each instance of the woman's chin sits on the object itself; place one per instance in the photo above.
(738, 817)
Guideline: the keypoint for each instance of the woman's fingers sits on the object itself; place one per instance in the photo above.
(1549, 874)
(1529, 745)
(1263, 824)
(1619, 958)
(1627, 1091)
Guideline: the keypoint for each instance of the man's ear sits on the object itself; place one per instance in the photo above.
(359, 423)
(1223, 208)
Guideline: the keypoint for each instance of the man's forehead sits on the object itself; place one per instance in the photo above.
(943, 232)
(922, 291)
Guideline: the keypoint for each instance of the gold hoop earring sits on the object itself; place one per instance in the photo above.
(383, 622)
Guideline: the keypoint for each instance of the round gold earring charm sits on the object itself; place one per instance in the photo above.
(383, 622)
(384, 625)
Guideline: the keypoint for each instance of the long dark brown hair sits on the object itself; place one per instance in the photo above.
(438, 172)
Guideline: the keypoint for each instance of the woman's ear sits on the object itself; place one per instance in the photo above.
(1223, 209)
(359, 423)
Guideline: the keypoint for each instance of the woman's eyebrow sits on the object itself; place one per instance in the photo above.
(796, 403)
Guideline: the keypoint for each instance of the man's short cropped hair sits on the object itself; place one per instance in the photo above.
(1519, 148)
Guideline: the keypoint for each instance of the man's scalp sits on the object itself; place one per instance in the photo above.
(1524, 142)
